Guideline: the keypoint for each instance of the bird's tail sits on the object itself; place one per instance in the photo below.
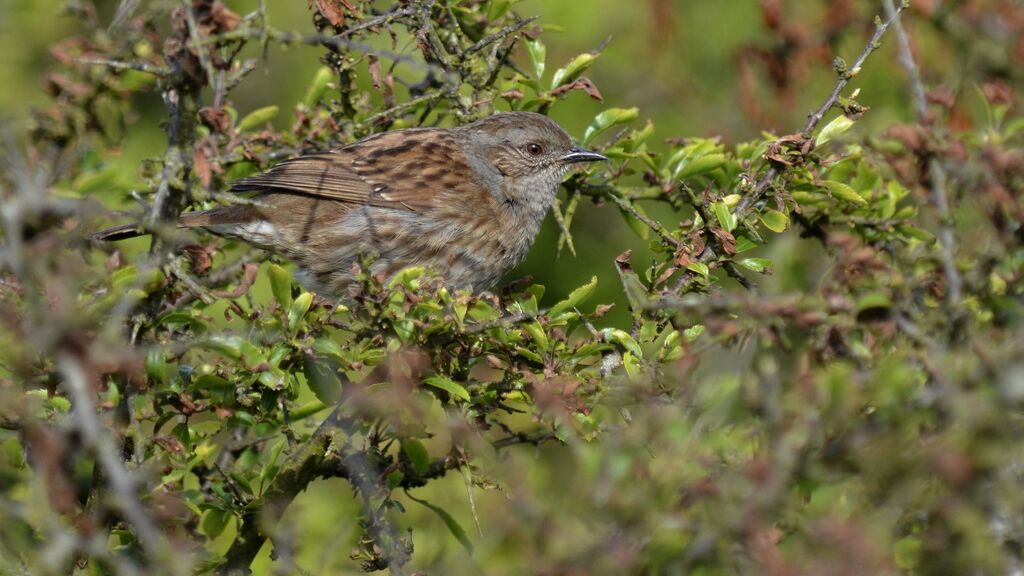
(214, 217)
(122, 232)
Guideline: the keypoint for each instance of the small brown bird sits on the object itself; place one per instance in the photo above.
(466, 202)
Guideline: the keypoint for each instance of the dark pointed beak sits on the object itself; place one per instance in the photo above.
(578, 154)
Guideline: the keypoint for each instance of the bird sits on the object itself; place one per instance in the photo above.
(465, 202)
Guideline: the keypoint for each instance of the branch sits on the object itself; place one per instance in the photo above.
(316, 458)
(108, 457)
(936, 173)
(815, 118)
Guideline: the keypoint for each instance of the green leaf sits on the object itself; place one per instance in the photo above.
(321, 378)
(744, 243)
(451, 523)
(269, 470)
(317, 87)
(915, 232)
(836, 127)
(450, 386)
(498, 9)
(227, 344)
(609, 118)
(699, 166)
(417, 454)
(280, 285)
(328, 347)
(906, 553)
(408, 277)
(774, 220)
(538, 53)
(214, 522)
(257, 118)
(725, 216)
(624, 339)
(756, 264)
(693, 332)
(572, 70)
(845, 193)
(576, 297)
(874, 301)
(537, 334)
(298, 310)
(699, 268)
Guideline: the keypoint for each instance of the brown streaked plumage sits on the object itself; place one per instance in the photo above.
(467, 202)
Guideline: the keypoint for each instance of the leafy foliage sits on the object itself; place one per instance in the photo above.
(164, 410)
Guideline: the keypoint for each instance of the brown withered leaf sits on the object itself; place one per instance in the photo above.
(200, 257)
(584, 84)
(726, 240)
(925, 7)
(201, 166)
(622, 261)
(666, 275)
(216, 119)
(943, 96)
(787, 149)
(997, 92)
(222, 18)
(383, 84)
(909, 136)
(333, 10)
(248, 278)
(374, 67)
(771, 14)
(683, 258)
(170, 444)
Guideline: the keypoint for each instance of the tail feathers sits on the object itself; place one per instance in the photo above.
(122, 232)
(217, 216)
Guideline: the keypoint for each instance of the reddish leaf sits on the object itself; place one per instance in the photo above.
(333, 11)
(584, 84)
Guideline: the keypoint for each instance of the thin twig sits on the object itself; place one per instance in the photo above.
(381, 20)
(815, 117)
(500, 34)
(649, 222)
(122, 65)
(936, 172)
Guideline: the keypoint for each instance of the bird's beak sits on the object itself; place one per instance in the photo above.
(578, 154)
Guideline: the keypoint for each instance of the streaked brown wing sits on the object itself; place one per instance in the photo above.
(404, 169)
(326, 174)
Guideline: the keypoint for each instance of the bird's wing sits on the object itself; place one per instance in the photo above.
(402, 170)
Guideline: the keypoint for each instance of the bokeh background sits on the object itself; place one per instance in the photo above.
(694, 67)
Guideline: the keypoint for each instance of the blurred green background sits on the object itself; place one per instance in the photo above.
(678, 60)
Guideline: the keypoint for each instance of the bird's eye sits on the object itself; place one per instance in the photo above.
(534, 149)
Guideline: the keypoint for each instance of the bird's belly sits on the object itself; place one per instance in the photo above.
(471, 253)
